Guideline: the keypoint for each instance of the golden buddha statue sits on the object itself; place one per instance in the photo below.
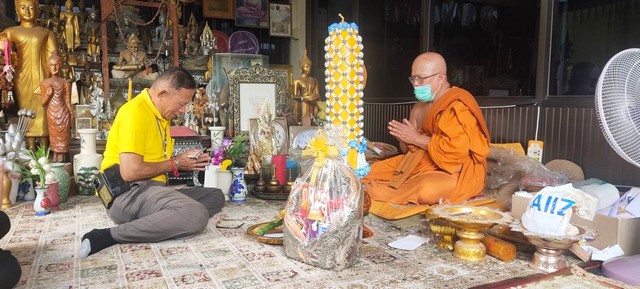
(306, 94)
(66, 70)
(56, 97)
(92, 29)
(56, 25)
(88, 78)
(71, 27)
(33, 45)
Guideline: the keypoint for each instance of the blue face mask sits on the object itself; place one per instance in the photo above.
(423, 93)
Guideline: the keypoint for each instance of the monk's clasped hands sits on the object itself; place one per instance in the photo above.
(404, 131)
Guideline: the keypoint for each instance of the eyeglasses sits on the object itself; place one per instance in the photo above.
(419, 79)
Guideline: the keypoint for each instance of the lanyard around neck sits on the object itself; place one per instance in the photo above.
(164, 139)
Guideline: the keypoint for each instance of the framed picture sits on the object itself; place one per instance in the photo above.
(280, 20)
(222, 9)
(288, 69)
(83, 123)
(249, 90)
(252, 13)
(281, 133)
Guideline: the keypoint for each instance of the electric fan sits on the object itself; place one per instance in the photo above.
(618, 109)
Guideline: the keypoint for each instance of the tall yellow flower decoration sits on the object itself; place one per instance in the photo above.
(344, 76)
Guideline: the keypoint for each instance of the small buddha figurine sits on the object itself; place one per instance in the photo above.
(66, 70)
(306, 93)
(83, 15)
(56, 97)
(71, 27)
(92, 28)
(56, 25)
(131, 61)
(88, 78)
(209, 72)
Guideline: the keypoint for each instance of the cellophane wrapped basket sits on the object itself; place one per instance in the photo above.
(323, 217)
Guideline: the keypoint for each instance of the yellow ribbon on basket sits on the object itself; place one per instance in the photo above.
(320, 149)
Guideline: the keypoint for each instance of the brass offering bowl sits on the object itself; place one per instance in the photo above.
(548, 257)
(442, 230)
(471, 222)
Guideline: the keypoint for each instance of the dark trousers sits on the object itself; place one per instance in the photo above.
(151, 212)
(10, 270)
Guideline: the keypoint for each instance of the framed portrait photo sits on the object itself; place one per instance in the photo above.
(252, 13)
(280, 20)
(222, 9)
(250, 89)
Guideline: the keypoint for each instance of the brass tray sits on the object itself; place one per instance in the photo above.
(273, 241)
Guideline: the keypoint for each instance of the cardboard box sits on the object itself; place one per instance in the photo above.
(609, 230)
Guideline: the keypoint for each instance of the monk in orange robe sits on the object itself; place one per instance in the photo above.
(445, 157)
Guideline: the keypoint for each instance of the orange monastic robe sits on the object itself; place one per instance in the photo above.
(453, 168)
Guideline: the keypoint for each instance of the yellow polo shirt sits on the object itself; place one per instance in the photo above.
(139, 128)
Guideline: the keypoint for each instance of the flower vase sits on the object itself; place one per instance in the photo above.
(238, 190)
(30, 193)
(64, 181)
(53, 195)
(15, 178)
(40, 201)
(86, 164)
(217, 135)
(225, 179)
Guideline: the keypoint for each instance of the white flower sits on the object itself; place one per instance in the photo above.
(43, 161)
(46, 167)
(32, 164)
(35, 172)
(50, 178)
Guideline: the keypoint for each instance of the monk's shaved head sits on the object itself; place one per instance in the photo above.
(429, 63)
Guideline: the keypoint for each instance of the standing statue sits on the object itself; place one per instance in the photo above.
(66, 70)
(92, 29)
(96, 103)
(33, 44)
(56, 25)
(306, 94)
(71, 27)
(82, 14)
(87, 77)
(56, 97)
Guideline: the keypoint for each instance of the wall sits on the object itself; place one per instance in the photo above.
(568, 133)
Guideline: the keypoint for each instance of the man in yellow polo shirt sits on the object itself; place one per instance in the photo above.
(140, 143)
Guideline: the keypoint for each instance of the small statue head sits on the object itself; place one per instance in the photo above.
(54, 63)
(69, 5)
(305, 63)
(28, 10)
(133, 42)
(55, 11)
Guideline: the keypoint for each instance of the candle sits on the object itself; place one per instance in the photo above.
(344, 75)
(130, 93)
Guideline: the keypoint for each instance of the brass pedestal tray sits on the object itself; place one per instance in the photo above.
(548, 257)
(264, 239)
(470, 223)
(443, 231)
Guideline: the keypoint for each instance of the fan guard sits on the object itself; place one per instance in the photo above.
(617, 103)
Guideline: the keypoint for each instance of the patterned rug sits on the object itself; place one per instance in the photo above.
(225, 258)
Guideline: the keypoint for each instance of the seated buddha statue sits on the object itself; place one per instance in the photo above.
(132, 62)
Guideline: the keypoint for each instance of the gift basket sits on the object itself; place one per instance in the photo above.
(323, 216)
